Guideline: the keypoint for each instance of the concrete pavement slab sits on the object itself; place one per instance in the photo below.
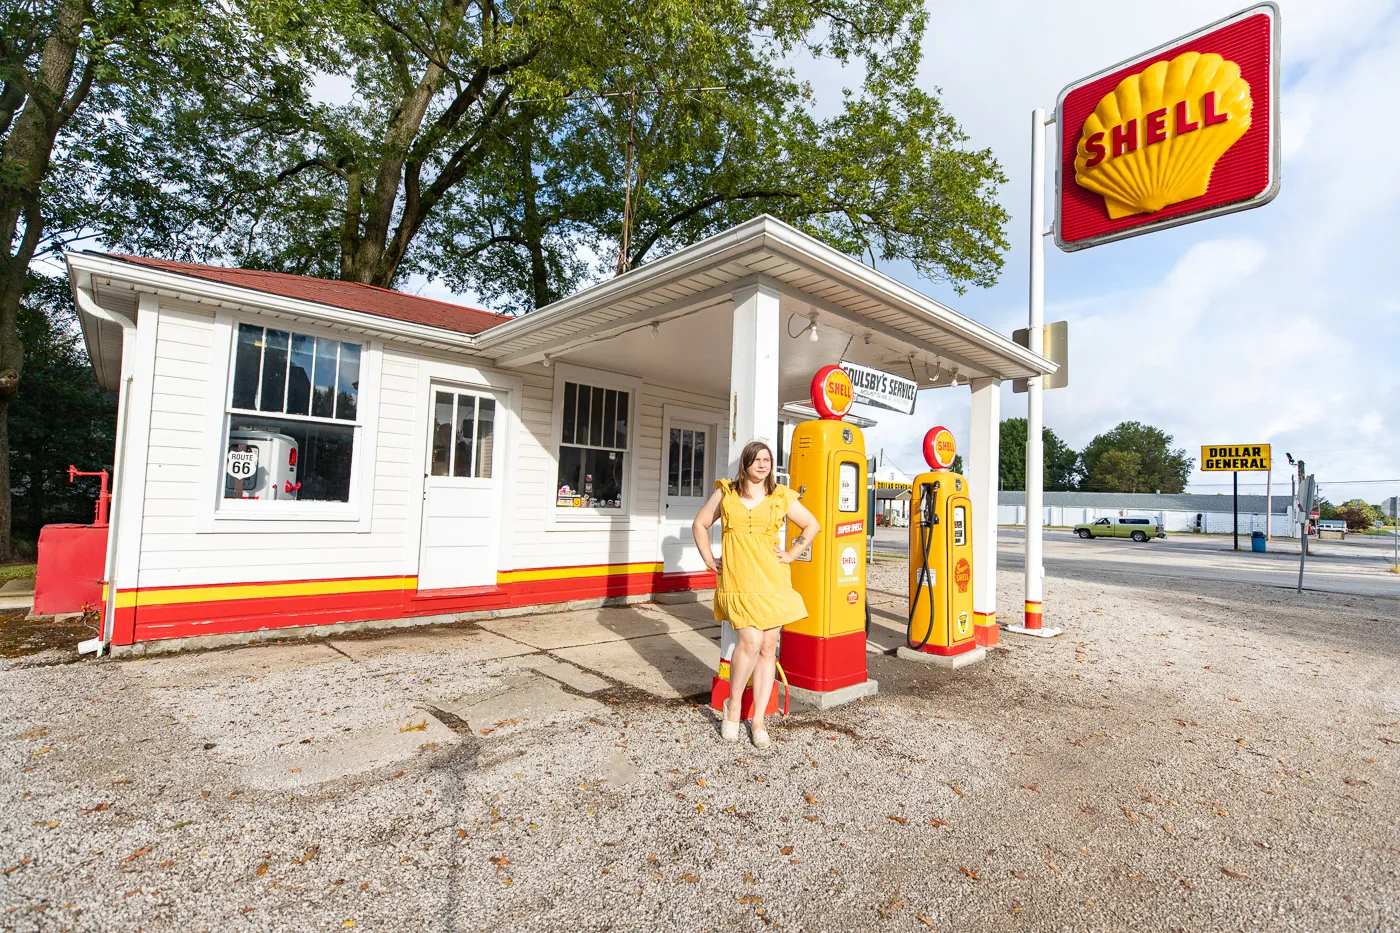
(678, 664)
(396, 739)
(211, 666)
(463, 645)
(528, 699)
(593, 626)
(566, 674)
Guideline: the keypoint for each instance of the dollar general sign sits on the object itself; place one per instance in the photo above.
(1233, 458)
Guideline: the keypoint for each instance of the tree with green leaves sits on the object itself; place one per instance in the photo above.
(1061, 462)
(75, 77)
(59, 418)
(1143, 460)
(500, 146)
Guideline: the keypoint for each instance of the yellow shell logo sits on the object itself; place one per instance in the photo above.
(1154, 140)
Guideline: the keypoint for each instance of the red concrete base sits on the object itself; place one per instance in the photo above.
(948, 651)
(824, 664)
(719, 692)
(69, 576)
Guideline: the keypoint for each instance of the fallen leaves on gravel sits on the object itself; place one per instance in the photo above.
(969, 872)
(786, 850)
(898, 819)
(701, 782)
(751, 899)
(935, 821)
(421, 726)
(310, 854)
(36, 733)
(1355, 782)
(1030, 787)
(690, 879)
(1236, 874)
(500, 861)
(262, 870)
(137, 854)
(42, 751)
(926, 921)
(811, 798)
(895, 904)
(1129, 813)
(956, 789)
(48, 824)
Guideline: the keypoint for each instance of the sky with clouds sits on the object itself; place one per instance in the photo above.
(1276, 325)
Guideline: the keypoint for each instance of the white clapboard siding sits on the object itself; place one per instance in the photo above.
(537, 540)
(174, 553)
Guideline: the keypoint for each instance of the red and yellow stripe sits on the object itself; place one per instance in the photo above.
(1034, 616)
(153, 613)
(984, 625)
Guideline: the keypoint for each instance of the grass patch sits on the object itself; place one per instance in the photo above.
(20, 571)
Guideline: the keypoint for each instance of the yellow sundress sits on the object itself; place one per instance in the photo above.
(754, 587)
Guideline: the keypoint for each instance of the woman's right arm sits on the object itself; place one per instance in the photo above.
(709, 513)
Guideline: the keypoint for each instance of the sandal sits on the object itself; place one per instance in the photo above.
(728, 729)
(760, 738)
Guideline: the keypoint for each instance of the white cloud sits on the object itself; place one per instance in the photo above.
(1275, 325)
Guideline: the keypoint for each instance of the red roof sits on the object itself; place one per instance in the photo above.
(350, 296)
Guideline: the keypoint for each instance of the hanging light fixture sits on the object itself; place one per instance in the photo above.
(954, 383)
(813, 328)
(655, 329)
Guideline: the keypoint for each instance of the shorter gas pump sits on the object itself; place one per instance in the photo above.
(941, 620)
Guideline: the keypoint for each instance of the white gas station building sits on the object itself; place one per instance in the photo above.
(438, 463)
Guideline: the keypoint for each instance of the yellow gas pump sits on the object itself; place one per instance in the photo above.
(940, 555)
(824, 654)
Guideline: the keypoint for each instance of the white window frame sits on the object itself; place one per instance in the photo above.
(219, 515)
(567, 372)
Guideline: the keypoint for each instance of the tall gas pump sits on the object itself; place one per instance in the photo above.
(824, 654)
(940, 629)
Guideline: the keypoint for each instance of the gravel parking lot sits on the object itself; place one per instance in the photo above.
(1219, 757)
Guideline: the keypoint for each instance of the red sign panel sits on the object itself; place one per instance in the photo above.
(849, 528)
(1185, 132)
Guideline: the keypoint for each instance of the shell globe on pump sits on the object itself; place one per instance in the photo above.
(941, 619)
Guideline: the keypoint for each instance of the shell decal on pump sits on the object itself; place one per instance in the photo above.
(962, 574)
(1154, 140)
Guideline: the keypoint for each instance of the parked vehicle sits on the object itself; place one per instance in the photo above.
(1139, 529)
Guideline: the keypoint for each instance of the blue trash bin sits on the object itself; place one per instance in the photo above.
(1257, 542)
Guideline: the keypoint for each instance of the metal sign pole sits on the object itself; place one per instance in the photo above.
(1033, 620)
(1237, 510)
(1269, 502)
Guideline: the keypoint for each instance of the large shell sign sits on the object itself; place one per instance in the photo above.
(1185, 132)
(832, 393)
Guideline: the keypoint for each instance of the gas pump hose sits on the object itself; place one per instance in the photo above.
(787, 690)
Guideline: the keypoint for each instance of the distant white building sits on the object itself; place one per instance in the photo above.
(1181, 512)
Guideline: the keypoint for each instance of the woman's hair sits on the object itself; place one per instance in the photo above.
(746, 459)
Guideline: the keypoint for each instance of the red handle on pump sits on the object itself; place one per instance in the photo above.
(290, 488)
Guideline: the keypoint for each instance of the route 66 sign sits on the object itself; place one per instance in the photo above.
(241, 464)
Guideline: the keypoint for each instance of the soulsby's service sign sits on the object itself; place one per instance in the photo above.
(1182, 133)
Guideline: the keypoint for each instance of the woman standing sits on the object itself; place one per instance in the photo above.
(754, 591)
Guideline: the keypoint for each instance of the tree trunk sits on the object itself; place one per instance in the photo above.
(533, 229)
(23, 164)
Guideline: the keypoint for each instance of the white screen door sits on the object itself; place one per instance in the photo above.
(461, 490)
(688, 479)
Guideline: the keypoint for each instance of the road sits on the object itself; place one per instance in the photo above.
(1357, 566)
